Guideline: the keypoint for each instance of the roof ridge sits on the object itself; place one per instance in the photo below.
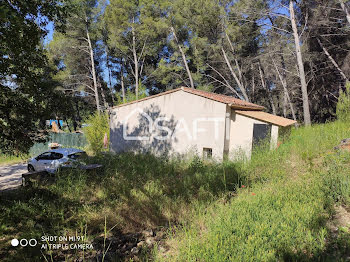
(237, 103)
(233, 102)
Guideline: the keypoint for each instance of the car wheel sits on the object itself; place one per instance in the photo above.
(31, 168)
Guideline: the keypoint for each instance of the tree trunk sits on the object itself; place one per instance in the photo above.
(122, 81)
(345, 9)
(286, 96)
(285, 101)
(332, 60)
(93, 71)
(109, 76)
(306, 108)
(240, 85)
(103, 96)
(253, 81)
(240, 82)
(183, 57)
(263, 82)
(66, 120)
(136, 63)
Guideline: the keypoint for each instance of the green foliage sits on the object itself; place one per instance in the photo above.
(275, 207)
(26, 85)
(131, 96)
(343, 105)
(282, 212)
(97, 127)
(261, 224)
(10, 159)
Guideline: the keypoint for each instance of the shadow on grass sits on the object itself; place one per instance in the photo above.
(31, 213)
(134, 192)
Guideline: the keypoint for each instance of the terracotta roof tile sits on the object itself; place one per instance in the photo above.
(229, 100)
(266, 117)
(233, 102)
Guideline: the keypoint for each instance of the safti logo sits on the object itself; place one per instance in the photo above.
(158, 128)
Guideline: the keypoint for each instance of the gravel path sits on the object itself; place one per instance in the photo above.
(11, 176)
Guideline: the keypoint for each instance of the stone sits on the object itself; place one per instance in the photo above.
(134, 251)
(141, 243)
(344, 145)
(150, 241)
(148, 233)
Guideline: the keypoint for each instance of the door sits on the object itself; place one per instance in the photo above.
(43, 161)
(261, 135)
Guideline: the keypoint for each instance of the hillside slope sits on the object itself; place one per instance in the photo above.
(286, 211)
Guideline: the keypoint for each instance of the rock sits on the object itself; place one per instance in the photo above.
(140, 244)
(134, 251)
(344, 145)
(148, 233)
(150, 241)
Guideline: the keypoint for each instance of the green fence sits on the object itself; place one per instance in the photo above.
(75, 140)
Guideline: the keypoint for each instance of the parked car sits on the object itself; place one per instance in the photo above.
(54, 159)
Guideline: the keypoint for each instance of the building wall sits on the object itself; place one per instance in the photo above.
(181, 114)
(274, 137)
(241, 135)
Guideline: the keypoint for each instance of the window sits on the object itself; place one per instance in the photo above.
(207, 153)
(77, 155)
(55, 155)
(44, 156)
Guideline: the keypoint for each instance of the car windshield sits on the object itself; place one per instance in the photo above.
(77, 155)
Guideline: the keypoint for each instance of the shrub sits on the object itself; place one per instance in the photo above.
(343, 106)
(97, 127)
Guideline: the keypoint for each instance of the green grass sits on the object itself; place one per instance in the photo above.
(282, 215)
(211, 216)
(132, 192)
(9, 160)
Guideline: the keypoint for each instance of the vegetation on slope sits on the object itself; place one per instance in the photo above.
(285, 217)
(274, 207)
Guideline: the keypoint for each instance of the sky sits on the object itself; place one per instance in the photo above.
(49, 36)
(50, 29)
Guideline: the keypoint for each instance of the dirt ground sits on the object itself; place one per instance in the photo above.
(11, 176)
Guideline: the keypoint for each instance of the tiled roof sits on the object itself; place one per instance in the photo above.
(266, 117)
(233, 102)
(229, 100)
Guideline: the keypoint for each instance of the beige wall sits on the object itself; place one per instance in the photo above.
(274, 137)
(183, 110)
(241, 135)
(218, 127)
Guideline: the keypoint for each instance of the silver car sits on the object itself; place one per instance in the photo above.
(53, 159)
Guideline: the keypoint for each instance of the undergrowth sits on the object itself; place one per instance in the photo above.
(274, 207)
(282, 214)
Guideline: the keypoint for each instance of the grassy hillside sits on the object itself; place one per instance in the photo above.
(277, 206)
(282, 213)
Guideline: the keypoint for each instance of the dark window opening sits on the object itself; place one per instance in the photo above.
(207, 153)
(261, 135)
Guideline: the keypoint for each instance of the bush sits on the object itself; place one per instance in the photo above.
(343, 106)
(97, 127)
